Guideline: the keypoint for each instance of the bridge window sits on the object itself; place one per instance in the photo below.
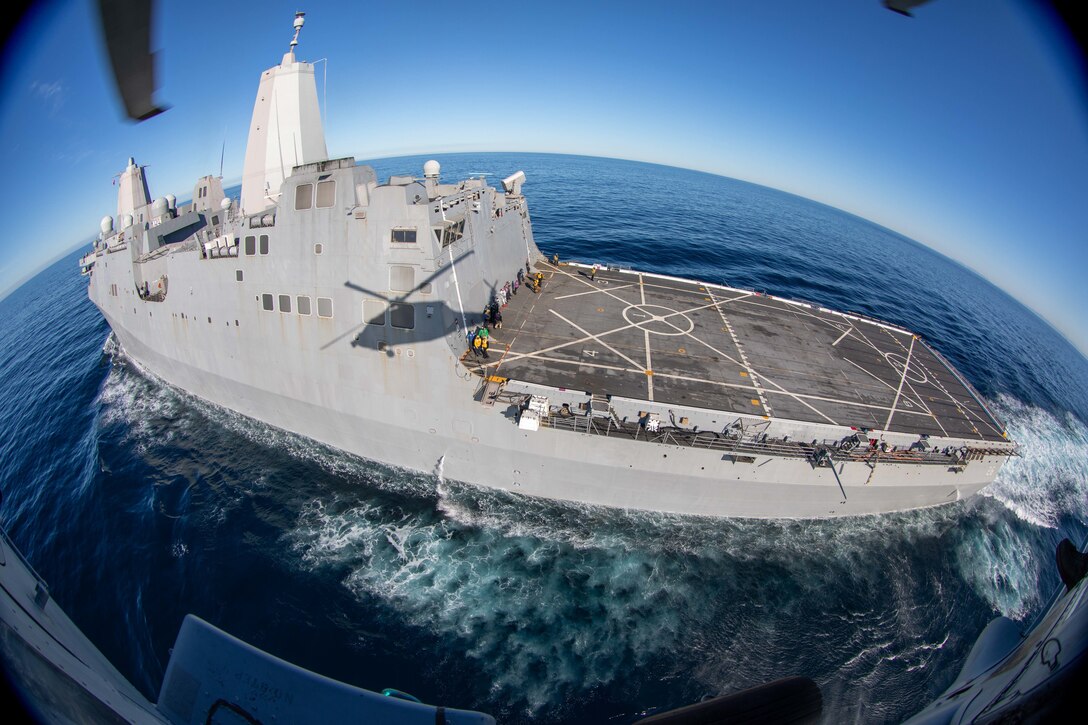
(404, 236)
(304, 196)
(402, 315)
(374, 312)
(326, 194)
(324, 307)
(251, 246)
(285, 303)
(264, 244)
(266, 302)
(303, 305)
(453, 232)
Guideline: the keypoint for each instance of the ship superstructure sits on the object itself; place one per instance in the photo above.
(338, 306)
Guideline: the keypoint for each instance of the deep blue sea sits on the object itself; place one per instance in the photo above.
(139, 503)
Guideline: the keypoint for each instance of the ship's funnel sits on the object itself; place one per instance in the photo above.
(285, 130)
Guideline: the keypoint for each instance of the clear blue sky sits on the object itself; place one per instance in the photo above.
(964, 128)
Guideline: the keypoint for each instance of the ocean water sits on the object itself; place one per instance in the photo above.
(140, 503)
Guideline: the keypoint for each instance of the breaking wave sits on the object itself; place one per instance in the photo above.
(1049, 481)
(556, 601)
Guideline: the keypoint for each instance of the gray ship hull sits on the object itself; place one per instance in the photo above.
(488, 450)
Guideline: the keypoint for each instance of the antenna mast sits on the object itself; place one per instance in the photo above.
(300, 20)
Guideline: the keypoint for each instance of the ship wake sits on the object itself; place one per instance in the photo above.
(554, 604)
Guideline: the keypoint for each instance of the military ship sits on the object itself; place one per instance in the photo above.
(345, 308)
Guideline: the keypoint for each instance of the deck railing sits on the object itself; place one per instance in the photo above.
(749, 447)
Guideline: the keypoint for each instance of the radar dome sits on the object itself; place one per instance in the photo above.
(106, 225)
(431, 169)
(126, 221)
(171, 201)
(159, 207)
(225, 204)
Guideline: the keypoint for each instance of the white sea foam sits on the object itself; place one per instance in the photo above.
(1050, 480)
(555, 598)
(1009, 559)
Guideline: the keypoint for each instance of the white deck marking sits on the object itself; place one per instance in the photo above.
(902, 380)
(926, 408)
(767, 380)
(963, 410)
(718, 352)
(798, 396)
(583, 363)
(715, 304)
(774, 387)
(637, 370)
(594, 291)
(591, 285)
(843, 335)
(594, 337)
(966, 412)
(917, 396)
(883, 382)
(743, 358)
(871, 344)
(649, 368)
(646, 336)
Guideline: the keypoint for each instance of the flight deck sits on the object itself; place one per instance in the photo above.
(685, 343)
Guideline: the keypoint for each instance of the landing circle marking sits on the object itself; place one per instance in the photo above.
(658, 320)
(899, 362)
